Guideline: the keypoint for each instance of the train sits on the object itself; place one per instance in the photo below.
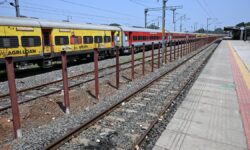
(40, 41)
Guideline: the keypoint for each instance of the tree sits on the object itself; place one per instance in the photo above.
(248, 24)
(153, 26)
(242, 24)
(115, 24)
(137, 27)
(219, 31)
(202, 30)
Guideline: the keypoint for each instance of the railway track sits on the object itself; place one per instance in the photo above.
(35, 92)
(125, 124)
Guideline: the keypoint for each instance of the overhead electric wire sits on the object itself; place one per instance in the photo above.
(138, 3)
(63, 14)
(207, 6)
(203, 8)
(66, 12)
(99, 9)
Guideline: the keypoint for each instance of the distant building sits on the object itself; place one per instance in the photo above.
(238, 33)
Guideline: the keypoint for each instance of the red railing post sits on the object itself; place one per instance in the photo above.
(143, 59)
(165, 54)
(174, 50)
(117, 67)
(186, 47)
(189, 46)
(152, 69)
(192, 45)
(195, 44)
(65, 81)
(133, 62)
(181, 48)
(13, 97)
(159, 54)
(170, 57)
(96, 73)
(178, 49)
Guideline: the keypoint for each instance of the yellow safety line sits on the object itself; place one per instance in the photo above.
(245, 73)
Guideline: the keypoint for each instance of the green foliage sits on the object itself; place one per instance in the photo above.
(115, 24)
(219, 31)
(153, 26)
(200, 31)
(216, 31)
(243, 24)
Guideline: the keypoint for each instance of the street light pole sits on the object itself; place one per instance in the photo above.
(16, 5)
(145, 15)
(174, 22)
(208, 23)
(163, 28)
(17, 8)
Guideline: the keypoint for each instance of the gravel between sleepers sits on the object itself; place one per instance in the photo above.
(38, 138)
(158, 128)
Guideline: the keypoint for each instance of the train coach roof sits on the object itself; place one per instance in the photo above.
(124, 28)
(133, 29)
(31, 22)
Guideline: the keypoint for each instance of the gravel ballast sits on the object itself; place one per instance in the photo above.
(39, 79)
(37, 138)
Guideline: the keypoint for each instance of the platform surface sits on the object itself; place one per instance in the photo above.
(209, 118)
(243, 50)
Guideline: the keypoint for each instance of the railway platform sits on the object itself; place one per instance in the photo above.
(215, 115)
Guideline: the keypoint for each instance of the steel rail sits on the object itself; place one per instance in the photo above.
(72, 77)
(70, 87)
(156, 119)
(68, 136)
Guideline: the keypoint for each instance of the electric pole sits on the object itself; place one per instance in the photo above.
(174, 21)
(181, 19)
(145, 13)
(195, 26)
(208, 23)
(17, 8)
(146, 10)
(174, 8)
(163, 28)
(16, 5)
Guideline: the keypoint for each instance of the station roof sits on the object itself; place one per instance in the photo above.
(232, 28)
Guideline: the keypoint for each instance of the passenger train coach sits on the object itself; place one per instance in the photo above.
(41, 41)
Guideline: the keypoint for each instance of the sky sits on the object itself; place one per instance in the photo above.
(131, 12)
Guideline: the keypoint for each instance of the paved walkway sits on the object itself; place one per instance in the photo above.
(209, 118)
(243, 50)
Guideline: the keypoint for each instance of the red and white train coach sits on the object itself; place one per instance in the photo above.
(138, 36)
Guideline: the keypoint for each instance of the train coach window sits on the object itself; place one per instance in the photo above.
(31, 41)
(62, 40)
(76, 40)
(8, 41)
(134, 38)
(144, 38)
(88, 39)
(98, 39)
(139, 38)
(126, 38)
(107, 39)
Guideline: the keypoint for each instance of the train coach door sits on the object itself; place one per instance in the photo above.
(113, 38)
(47, 42)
